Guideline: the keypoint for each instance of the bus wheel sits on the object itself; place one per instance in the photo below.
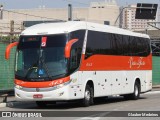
(136, 93)
(88, 96)
(41, 104)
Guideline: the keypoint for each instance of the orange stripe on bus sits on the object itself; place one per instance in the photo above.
(41, 84)
(110, 62)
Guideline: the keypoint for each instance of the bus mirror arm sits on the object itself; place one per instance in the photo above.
(8, 49)
(68, 47)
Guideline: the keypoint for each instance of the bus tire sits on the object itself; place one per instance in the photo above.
(88, 96)
(41, 104)
(136, 94)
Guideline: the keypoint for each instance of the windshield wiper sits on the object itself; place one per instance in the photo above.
(41, 60)
(45, 67)
(34, 66)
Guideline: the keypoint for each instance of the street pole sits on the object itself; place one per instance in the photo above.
(151, 24)
(22, 26)
(11, 30)
(69, 12)
(121, 11)
(1, 11)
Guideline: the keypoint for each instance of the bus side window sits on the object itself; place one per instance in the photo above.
(76, 50)
(20, 57)
(73, 59)
(99, 43)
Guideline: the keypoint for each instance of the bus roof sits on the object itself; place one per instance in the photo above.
(66, 27)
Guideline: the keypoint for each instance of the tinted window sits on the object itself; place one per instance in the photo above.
(116, 44)
(127, 50)
(37, 61)
(76, 50)
(98, 43)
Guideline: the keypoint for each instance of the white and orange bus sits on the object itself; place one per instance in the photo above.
(80, 60)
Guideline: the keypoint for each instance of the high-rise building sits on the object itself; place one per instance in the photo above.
(129, 22)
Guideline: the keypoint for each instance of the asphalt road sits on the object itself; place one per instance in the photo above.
(110, 107)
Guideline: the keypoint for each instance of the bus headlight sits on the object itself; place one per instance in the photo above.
(59, 86)
(18, 87)
(63, 84)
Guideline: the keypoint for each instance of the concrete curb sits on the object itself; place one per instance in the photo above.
(2, 105)
(156, 86)
(11, 104)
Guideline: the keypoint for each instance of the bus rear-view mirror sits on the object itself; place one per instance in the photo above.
(8, 49)
(68, 47)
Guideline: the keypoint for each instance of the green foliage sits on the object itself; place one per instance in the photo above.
(8, 39)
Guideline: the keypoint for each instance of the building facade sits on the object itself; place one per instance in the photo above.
(129, 22)
(99, 12)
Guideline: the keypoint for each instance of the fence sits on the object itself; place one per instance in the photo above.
(6, 69)
(156, 70)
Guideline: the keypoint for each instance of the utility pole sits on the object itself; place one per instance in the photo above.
(69, 12)
(22, 26)
(151, 8)
(1, 11)
(11, 30)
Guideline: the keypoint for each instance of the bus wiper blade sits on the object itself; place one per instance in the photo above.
(34, 66)
(41, 60)
(46, 68)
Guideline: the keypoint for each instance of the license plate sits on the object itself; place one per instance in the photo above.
(37, 96)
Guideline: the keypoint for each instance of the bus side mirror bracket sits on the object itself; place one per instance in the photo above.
(68, 47)
(8, 49)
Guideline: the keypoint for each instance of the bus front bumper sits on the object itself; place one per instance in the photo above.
(42, 94)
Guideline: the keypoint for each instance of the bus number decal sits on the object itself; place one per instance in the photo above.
(89, 64)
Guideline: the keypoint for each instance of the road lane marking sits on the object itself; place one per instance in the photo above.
(152, 92)
(95, 116)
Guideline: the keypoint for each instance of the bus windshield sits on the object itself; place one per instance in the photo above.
(41, 58)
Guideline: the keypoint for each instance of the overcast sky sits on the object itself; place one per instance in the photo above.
(27, 4)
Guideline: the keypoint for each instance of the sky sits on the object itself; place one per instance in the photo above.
(28, 4)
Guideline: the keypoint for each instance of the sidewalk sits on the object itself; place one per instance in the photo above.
(156, 88)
